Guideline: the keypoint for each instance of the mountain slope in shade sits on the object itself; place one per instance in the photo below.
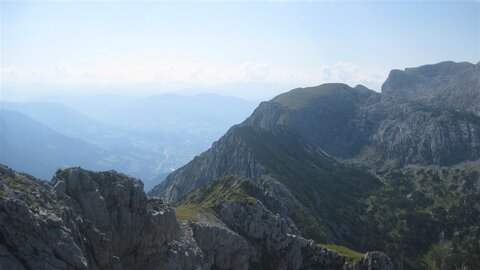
(409, 154)
(344, 122)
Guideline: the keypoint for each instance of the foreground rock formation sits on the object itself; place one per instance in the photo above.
(103, 220)
(86, 220)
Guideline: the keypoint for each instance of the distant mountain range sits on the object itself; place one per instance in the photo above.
(29, 145)
(145, 137)
(397, 171)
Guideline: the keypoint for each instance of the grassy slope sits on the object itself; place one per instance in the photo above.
(332, 192)
(351, 255)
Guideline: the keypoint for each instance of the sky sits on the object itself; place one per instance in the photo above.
(140, 48)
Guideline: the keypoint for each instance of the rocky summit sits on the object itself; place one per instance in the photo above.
(396, 171)
(103, 220)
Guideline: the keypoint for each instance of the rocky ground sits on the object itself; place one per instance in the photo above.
(103, 220)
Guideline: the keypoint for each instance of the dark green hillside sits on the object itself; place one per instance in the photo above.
(428, 216)
(332, 192)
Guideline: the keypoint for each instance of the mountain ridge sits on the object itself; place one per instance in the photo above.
(381, 135)
(104, 220)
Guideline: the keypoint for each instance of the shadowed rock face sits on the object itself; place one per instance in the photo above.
(241, 213)
(415, 120)
(131, 227)
(85, 220)
(229, 155)
(103, 220)
(447, 85)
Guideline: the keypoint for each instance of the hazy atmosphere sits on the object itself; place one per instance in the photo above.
(240, 135)
(252, 50)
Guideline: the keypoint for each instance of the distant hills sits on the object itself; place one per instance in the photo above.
(29, 145)
(145, 137)
(397, 171)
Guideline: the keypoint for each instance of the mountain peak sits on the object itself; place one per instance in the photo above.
(302, 97)
(445, 84)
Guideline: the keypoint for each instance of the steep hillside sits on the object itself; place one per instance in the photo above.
(445, 85)
(103, 220)
(355, 162)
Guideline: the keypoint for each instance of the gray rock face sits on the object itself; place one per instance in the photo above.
(103, 220)
(32, 234)
(374, 260)
(126, 229)
(229, 155)
(323, 116)
(85, 220)
(223, 248)
(423, 135)
(272, 240)
(447, 85)
(423, 116)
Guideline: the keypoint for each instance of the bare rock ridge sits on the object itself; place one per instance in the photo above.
(359, 165)
(103, 220)
(85, 220)
(245, 207)
(395, 126)
(447, 84)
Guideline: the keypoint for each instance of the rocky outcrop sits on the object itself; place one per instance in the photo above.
(272, 239)
(32, 234)
(324, 116)
(424, 135)
(446, 85)
(229, 155)
(121, 225)
(374, 260)
(275, 245)
(331, 147)
(85, 220)
(103, 220)
(415, 120)
(223, 248)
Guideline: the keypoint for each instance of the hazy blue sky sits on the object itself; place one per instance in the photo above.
(284, 43)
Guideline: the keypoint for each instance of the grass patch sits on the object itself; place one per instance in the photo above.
(187, 212)
(226, 188)
(351, 255)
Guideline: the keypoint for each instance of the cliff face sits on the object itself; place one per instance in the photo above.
(88, 220)
(446, 85)
(344, 122)
(229, 155)
(336, 148)
(246, 209)
(85, 220)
